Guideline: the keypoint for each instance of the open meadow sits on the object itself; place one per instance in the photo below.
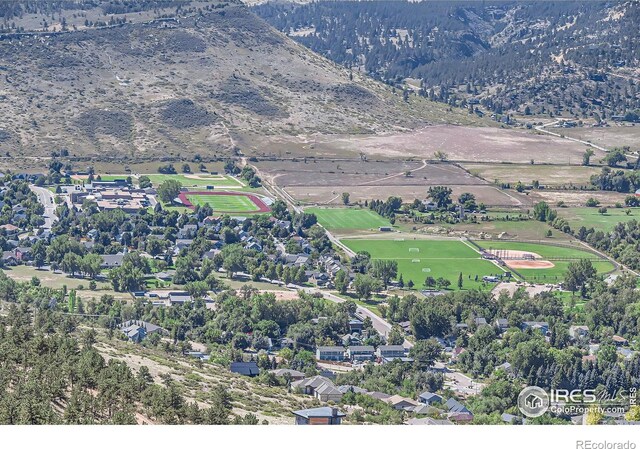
(348, 218)
(589, 217)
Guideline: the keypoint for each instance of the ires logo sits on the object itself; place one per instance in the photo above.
(575, 396)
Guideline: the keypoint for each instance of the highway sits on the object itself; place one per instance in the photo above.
(46, 198)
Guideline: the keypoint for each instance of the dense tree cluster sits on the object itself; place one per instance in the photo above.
(505, 56)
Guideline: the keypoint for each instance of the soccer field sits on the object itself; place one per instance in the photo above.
(225, 202)
(418, 259)
(348, 218)
(195, 180)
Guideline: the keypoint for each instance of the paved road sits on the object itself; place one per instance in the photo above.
(379, 324)
(46, 198)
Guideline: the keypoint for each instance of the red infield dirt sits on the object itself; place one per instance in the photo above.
(262, 207)
(515, 264)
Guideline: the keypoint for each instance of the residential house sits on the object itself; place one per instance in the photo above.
(540, 326)
(182, 244)
(137, 330)
(429, 398)
(360, 353)
(578, 332)
(351, 389)
(619, 341)
(179, 297)
(355, 325)
(319, 416)
(245, 368)
(112, 260)
(391, 351)
(401, 403)
(379, 395)
(293, 374)
(188, 231)
(502, 324)
(320, 387)
(480, 321)
(334, 353)
(454, 406)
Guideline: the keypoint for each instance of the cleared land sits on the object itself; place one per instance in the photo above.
(461, 143)
(348, 218)
(559, 256)
(324, 181)
(418, 259)
(611, 137)
(548, 175)
(225, 202)
(589, 217)
(576, 197)
(196, 180)
(489, 195)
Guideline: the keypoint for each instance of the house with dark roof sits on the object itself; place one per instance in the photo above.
(540, 326)
(429, 398)
(283, 372)
(319, 416)
(360, 353)
(335, 353)
(245, 368)
(391, 351)
(502, 324)
(111, 260)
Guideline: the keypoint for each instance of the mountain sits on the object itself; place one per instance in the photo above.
(175, 82)
(566, 58)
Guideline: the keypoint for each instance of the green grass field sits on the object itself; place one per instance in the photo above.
(196, 180)
(225, 203)
(348, 218)
(590, 218)
(549, 252)
(436, 258)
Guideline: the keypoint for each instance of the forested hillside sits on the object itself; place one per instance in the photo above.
(572, 58)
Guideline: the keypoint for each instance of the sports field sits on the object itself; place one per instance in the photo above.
(348, 218)
(225, 202)
(418, 259)
(589, 217)
(196, 180)
(559, 256)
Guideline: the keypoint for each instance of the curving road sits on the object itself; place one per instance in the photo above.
(542, 129)
(46, 198)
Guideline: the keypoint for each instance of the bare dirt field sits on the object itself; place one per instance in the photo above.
(576, 197)
(521, 259)
(610, 137)
(548, 175)
(460, 143)
(489, 195)
(360, 173)
(511, 287)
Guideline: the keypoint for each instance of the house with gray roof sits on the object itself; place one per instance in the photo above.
(112, 260)
(320, 387)
(319, 416)
(334, 353)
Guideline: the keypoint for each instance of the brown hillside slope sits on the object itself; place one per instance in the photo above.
(185, 86)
